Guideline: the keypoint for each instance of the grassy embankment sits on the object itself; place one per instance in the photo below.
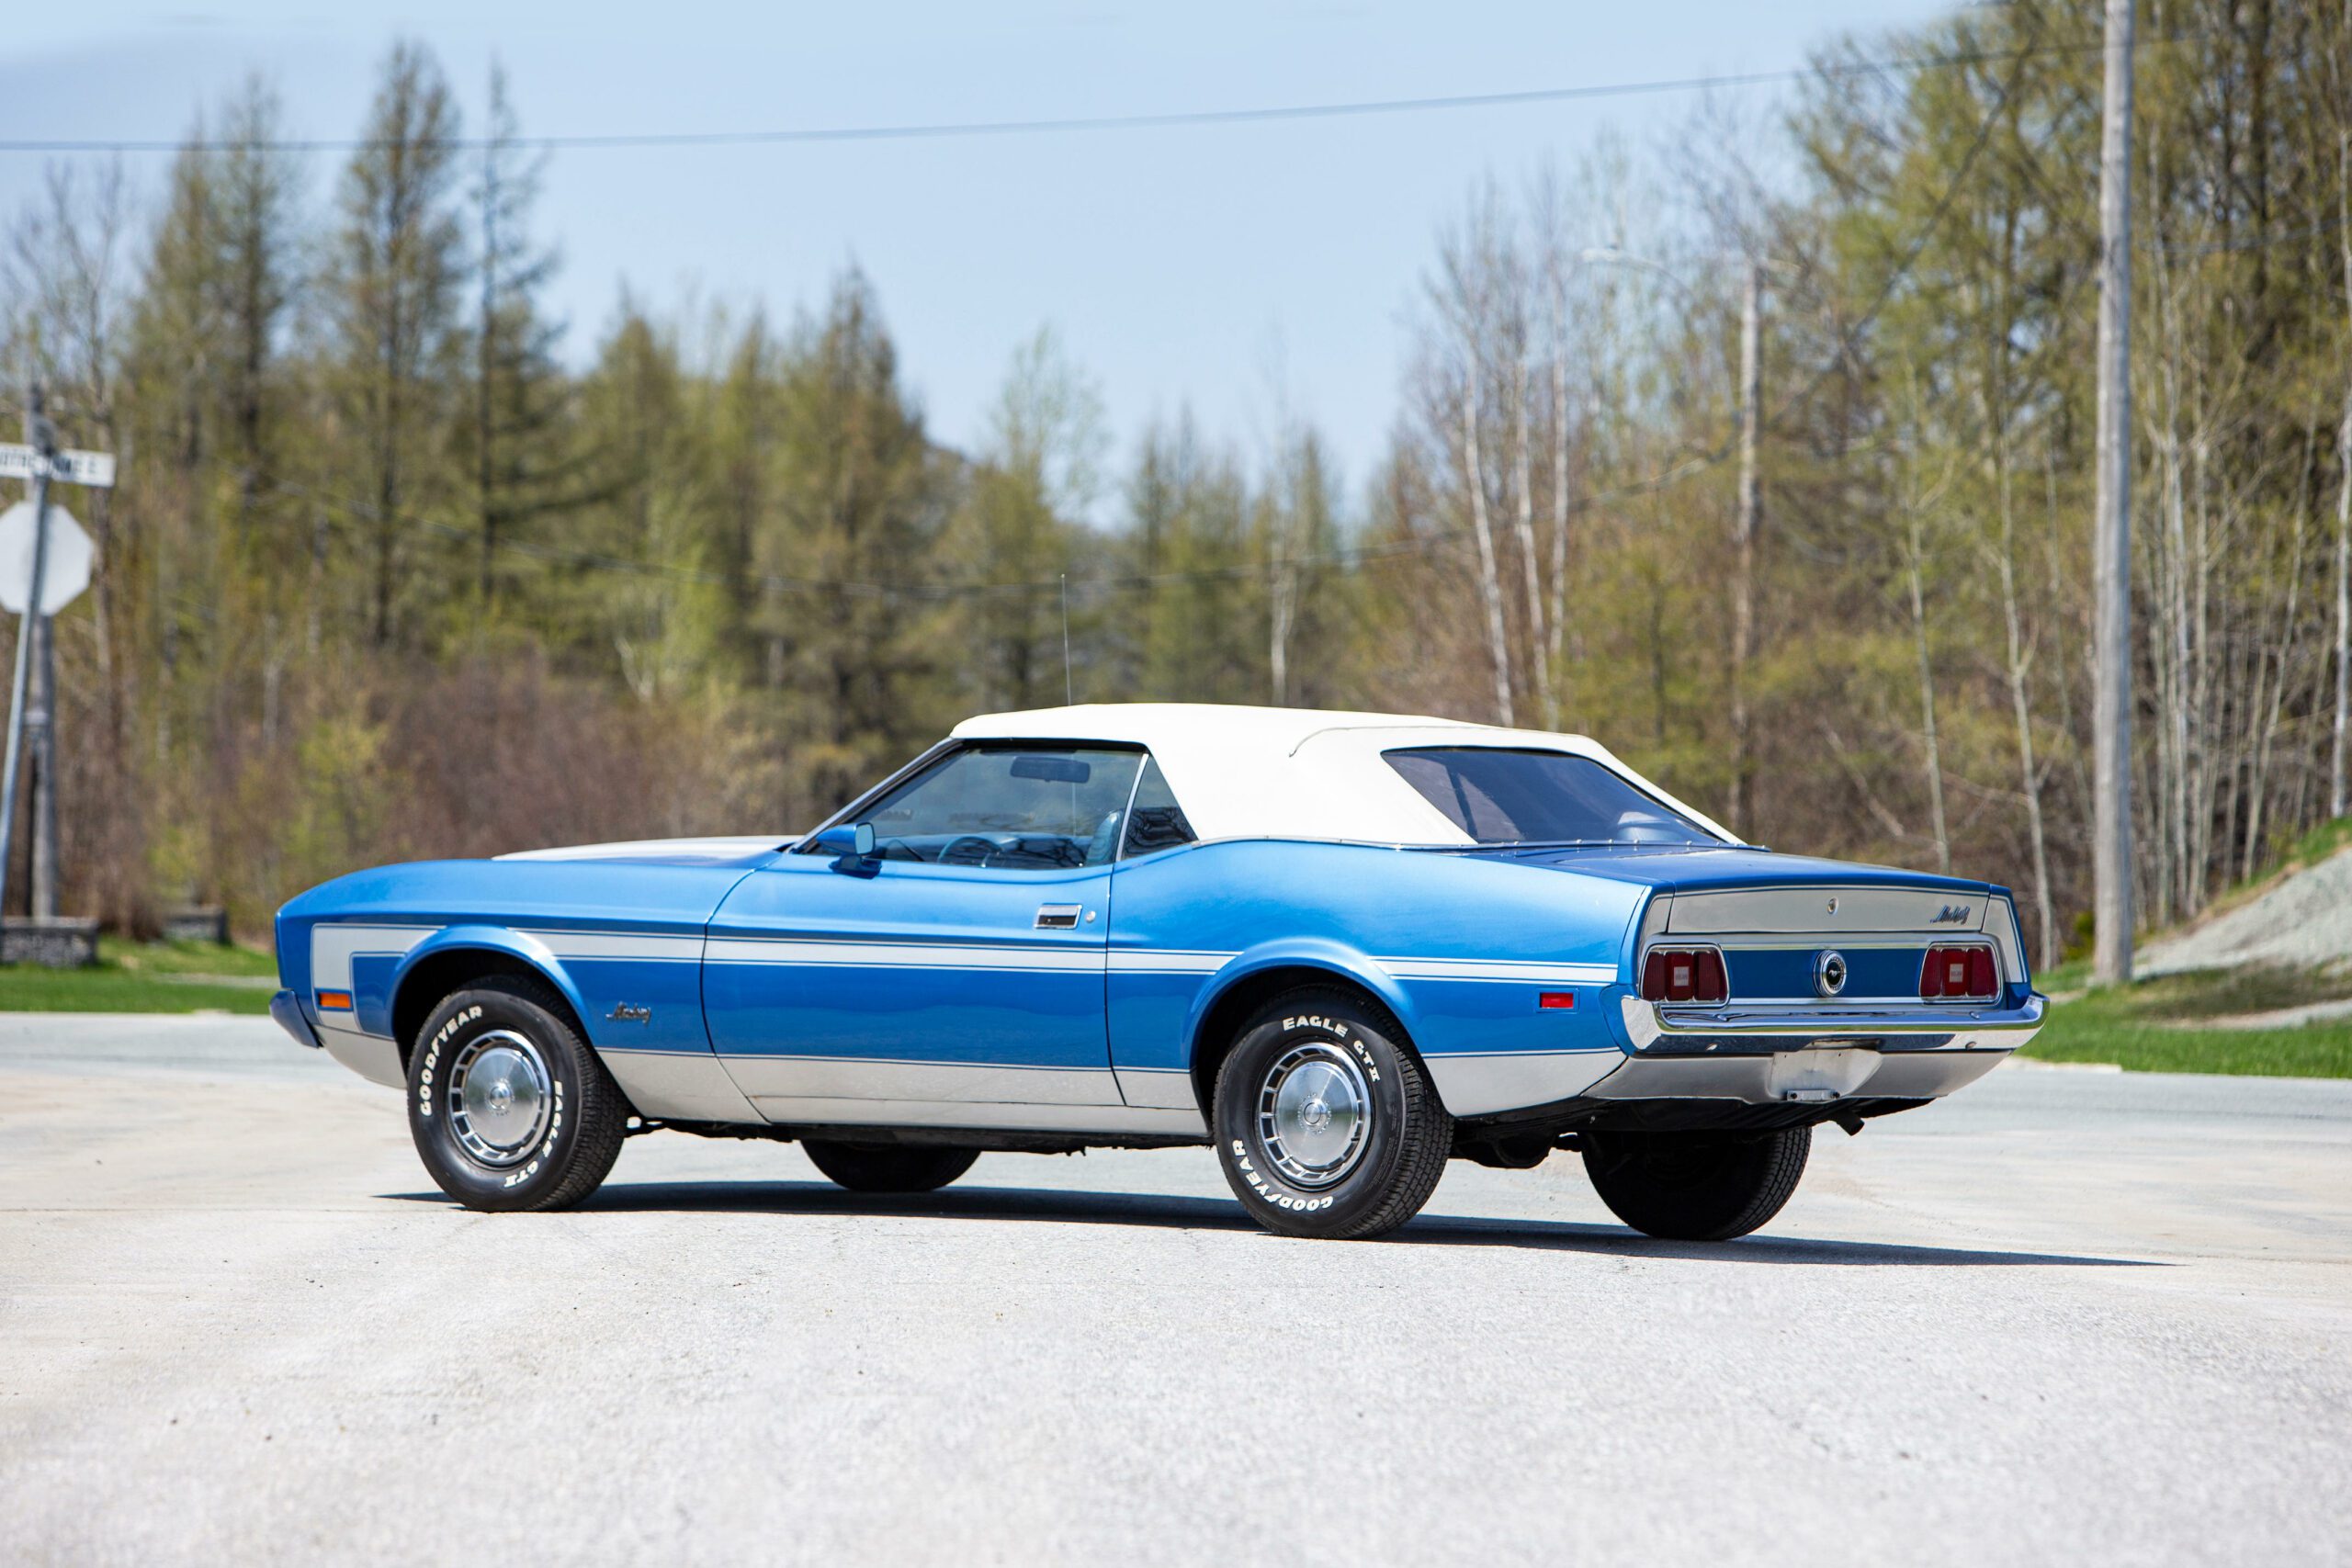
(158, 977)
(2163, 1025)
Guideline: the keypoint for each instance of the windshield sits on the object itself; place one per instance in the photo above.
(1518, 797)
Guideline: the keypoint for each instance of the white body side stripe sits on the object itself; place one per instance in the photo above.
(907, 954)
(1533, 974)
(332, 947)
(635, 946)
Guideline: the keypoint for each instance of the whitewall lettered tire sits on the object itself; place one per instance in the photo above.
(1325, 1123)
(509, 1107)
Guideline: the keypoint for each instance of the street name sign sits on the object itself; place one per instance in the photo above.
(18, 461)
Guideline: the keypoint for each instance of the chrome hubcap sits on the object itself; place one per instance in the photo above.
(500, 1102)
(1313, 1112)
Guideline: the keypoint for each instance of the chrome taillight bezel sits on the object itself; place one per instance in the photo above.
(1707, 964)
(1991, 958)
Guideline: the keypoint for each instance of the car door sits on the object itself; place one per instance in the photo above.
(953, 974)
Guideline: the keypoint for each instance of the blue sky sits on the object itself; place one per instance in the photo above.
(1204, 265)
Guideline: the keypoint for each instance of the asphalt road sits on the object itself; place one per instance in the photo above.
(2066, 1316)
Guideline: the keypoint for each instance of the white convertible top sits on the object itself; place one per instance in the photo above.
(1255, 773)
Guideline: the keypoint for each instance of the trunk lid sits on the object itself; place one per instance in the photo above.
(1777, 919)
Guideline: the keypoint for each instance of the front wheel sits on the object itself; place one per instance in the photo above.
(887, 1167)
(1325, 1125)
(509, 1107)
(1696, 1186)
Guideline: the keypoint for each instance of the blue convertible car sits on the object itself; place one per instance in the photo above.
(1340, 948)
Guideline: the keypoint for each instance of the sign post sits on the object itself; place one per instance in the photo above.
(35, 594)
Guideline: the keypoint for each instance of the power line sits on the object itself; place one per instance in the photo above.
(947, 129)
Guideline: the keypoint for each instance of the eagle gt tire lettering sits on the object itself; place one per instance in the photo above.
(509, 1107)
(1325, 1122)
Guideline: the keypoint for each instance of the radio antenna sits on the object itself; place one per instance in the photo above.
(1069, 690)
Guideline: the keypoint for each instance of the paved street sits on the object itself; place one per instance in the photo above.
(2069, 1315)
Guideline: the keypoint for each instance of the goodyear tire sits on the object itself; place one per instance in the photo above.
(509, 1107)
(1696, 1186)
(1325, 1123)
(887, 1167)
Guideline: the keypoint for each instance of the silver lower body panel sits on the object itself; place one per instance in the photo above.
(1109, 1121)
(678, 1086)
(1482, 1085)
(375, 1058)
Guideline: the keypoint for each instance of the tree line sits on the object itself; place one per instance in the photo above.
(389, 576)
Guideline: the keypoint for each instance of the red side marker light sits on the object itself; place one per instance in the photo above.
(334, 1001)
(1556, 999)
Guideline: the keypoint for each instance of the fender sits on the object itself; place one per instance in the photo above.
(1341, 961)
(494, 938)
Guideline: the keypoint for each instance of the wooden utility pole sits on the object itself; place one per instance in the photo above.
(2111, 547)
(1751, 507)
(38, 436)
(47, 547)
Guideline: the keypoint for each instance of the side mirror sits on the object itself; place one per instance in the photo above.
(862, 841)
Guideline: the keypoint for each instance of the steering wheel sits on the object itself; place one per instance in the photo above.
(952, 854)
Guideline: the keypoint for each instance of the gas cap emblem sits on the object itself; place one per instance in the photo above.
(1828, 972)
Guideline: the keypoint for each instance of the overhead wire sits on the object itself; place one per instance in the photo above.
(1171, 119)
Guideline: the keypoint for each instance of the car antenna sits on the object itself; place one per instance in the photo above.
(1069, 693)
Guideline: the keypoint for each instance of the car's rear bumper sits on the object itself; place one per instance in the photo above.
(287, 1009)
(1761, 1054)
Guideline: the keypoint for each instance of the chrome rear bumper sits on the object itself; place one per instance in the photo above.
(1762, 1053)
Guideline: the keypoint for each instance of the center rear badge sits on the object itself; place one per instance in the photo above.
(1828, 972)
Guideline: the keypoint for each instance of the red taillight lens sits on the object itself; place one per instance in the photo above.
(1684, 974)
(1964, 974)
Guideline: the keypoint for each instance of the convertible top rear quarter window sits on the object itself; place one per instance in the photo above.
(1504, 797)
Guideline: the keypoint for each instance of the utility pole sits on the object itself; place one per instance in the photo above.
(43, 441)
(2111, 546)
(40, 756)
(1751, 506)
(45, 561)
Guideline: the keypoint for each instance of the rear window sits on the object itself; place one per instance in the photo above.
(1523, 797)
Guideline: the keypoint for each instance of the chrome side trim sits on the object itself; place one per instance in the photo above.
(678, 1086)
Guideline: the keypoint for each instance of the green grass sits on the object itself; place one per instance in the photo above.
(175, 977)
(2150, 1026)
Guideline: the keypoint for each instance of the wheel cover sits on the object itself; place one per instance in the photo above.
(1314, 1114)
(499, 1099)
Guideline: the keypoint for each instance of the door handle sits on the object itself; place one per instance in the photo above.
(1056, 916)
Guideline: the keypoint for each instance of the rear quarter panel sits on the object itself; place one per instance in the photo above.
(1461, 948)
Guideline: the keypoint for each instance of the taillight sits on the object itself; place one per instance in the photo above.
(1684, 974)
(1960, 974)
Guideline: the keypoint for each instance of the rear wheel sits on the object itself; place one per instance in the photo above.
(887, 1167)
(1324, 1122)
(509, 1107)
(1696, 1186)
